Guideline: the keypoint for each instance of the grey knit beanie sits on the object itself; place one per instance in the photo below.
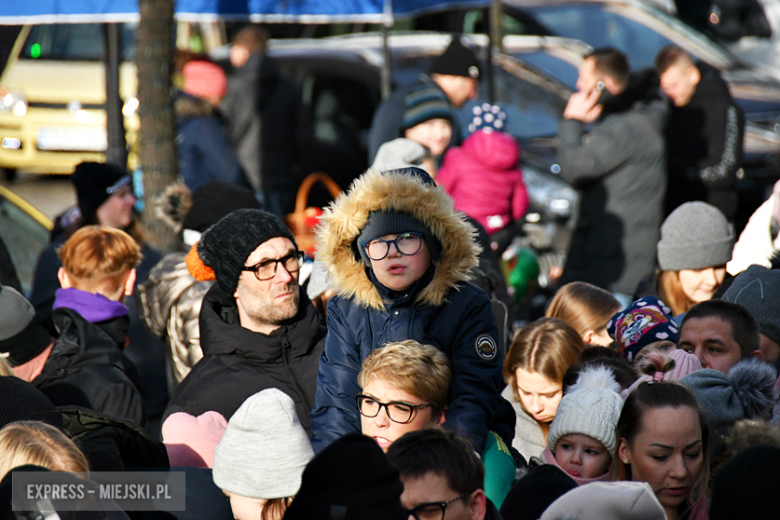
(264, 450)
(607, 501)
(22, 336)
(745, 393)
(694, 236)
(757, 289)
(590, 407)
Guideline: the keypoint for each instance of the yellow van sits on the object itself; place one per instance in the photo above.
(52, 94)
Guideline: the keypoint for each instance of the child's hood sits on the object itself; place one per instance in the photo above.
(398, 190)
(493, 149)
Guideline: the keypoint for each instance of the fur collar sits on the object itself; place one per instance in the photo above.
(343, 221)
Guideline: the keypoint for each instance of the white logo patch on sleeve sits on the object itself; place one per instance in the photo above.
(486, 347)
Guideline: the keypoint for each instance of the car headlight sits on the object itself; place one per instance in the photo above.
(13, 101)
(548, 193)
(130, 106)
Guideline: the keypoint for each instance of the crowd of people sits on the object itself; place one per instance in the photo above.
(374, 382)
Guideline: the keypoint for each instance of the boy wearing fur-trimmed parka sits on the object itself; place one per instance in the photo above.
(399, 256)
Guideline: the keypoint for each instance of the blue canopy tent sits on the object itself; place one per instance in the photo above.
(110, 12)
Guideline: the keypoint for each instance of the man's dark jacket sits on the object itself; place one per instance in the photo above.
(263, 119)
(619, 168)
(237, 362)
(704, 146)
(87, 369)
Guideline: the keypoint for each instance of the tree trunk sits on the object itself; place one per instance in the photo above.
(157, 149)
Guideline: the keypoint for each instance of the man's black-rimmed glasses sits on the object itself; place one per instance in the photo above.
(267, 269)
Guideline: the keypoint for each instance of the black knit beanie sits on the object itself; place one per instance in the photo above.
(757, 289)
(351, 480)
(23, 402)
(391, 222)
(530, 496)
(226, 245)
(424, 103)
(95, 183)
(457, 60)
(22, 336)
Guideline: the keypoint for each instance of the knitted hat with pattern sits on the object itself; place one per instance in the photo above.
(590, 407)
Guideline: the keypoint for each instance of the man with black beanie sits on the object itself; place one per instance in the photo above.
(257, 329)
(455, 73)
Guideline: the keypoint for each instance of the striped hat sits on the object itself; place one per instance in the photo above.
(424, 103)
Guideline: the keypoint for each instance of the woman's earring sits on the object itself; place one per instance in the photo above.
(625, 461)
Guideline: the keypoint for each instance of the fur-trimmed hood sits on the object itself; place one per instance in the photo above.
(398, 190)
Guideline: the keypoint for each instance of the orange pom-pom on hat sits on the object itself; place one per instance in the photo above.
(197, 268)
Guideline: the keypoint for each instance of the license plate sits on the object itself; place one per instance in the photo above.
(72, 139)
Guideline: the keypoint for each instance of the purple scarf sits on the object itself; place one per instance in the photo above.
(92, 307)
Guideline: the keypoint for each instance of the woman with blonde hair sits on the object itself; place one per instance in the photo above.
(33, 442)
(587, 309)
(540, 355)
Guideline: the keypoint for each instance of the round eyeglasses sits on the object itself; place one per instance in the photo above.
(398, 411)
(407, 244)
(267, 269)
(433, 510)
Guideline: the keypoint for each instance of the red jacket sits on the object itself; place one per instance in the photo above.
(485, 180)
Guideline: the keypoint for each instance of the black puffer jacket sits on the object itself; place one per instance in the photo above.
(704, 142)
(87, 369)
(237, 362)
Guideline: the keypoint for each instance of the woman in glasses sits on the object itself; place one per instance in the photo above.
(405, 387)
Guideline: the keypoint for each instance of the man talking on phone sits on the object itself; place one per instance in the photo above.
(619, 168)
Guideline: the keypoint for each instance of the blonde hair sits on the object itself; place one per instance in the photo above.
(548, 346)
(5, 368)
(671, 292)
(97, 255)
(583, 306)
(33, 442)
(420, 370)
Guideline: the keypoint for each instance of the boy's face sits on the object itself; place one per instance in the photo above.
(397, 271)
(582, 456)
(384, 430)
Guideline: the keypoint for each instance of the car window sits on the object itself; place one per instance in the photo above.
(638, 33)
(534, 104)
(24, 238)
(556, 67)
(73, 42)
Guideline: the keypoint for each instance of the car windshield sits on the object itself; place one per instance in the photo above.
(73, 42)
(556, 67)
(639, 32)
(534, 104)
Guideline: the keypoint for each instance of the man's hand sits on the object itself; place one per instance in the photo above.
(583, 106)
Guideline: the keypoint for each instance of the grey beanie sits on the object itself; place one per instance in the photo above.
(607, 501)
(22, 336)
(319, 281)
(745, 393)
(694, 236)
(590, 407)
(264, 450)
(757, 289)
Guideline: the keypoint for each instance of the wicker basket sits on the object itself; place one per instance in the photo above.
(305, 218)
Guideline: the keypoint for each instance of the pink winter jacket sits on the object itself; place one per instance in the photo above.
(485, 180)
